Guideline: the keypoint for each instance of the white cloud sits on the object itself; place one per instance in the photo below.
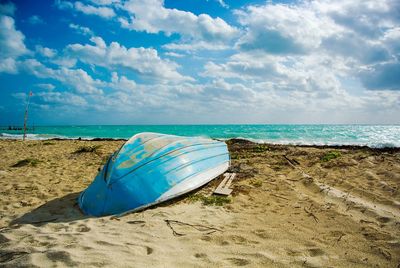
(144, 61)
(77, 79)
(105, 2)
(8, 65)
(222, 3)
(199, 45)
(45, 51)
(152, 17)
(61, 98)
(390, 39)
(61, 4)
(198, 32)
(102, 11)
(64, 61)
(81, 29)
(12, 44)
(356, 35)
(122, 83)
(284, 29)
(173, 54)
(46, 86)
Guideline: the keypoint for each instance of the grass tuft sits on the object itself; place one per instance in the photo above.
(212, 200)
(330, 155)
(27, 162)
(260, 148)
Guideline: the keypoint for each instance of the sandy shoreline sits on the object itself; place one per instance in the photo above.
(291, 206)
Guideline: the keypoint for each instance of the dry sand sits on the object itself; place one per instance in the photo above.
(284, 212)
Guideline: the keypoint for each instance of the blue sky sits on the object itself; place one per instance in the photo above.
(200, 62)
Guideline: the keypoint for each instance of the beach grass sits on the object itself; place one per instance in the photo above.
(330, 155)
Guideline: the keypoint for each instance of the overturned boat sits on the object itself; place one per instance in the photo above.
(151, 168)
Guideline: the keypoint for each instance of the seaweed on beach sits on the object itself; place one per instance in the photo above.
(87, 149)
(48, 143)
(27, 162)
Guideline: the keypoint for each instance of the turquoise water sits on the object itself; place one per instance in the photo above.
(370, 135)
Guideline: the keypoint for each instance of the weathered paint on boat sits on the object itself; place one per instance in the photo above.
(151, 168)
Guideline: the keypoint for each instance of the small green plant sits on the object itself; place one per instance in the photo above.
(212, 200)
(87, 149)
(215, 200)
(194, 197)
(28, 161)
(330, 155)
(260, 148)
(235, 155)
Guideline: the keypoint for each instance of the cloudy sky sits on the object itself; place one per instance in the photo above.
(200, 61)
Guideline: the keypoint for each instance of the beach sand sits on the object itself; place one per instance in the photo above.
(290, 207)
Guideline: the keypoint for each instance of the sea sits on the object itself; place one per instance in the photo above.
(376, 136)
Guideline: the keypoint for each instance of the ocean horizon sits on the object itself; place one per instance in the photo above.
(376, 136)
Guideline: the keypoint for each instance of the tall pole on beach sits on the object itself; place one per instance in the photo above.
(26, 114)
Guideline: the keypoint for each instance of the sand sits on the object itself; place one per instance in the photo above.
(289, 208)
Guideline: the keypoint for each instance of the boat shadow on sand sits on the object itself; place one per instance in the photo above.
(66, 209)
(62, 209)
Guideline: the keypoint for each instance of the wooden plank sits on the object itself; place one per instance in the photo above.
(229, 182)
(223, 187)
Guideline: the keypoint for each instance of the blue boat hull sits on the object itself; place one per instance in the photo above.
(151, 168)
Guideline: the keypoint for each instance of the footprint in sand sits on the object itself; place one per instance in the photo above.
(217, 240)
(240, 240)
(262, 234)
(316, 252)
(200, 255)
(139, 249)
(83, 228)
(139, 223)
(292, 252)
(384, 219)
(104, 243)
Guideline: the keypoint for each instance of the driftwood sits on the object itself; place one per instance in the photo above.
(340, 238)
(310, 214)
(279, 196)
(292, 162)
(198, 227)
(136, 222)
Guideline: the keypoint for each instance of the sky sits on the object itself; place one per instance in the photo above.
(200, 62)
